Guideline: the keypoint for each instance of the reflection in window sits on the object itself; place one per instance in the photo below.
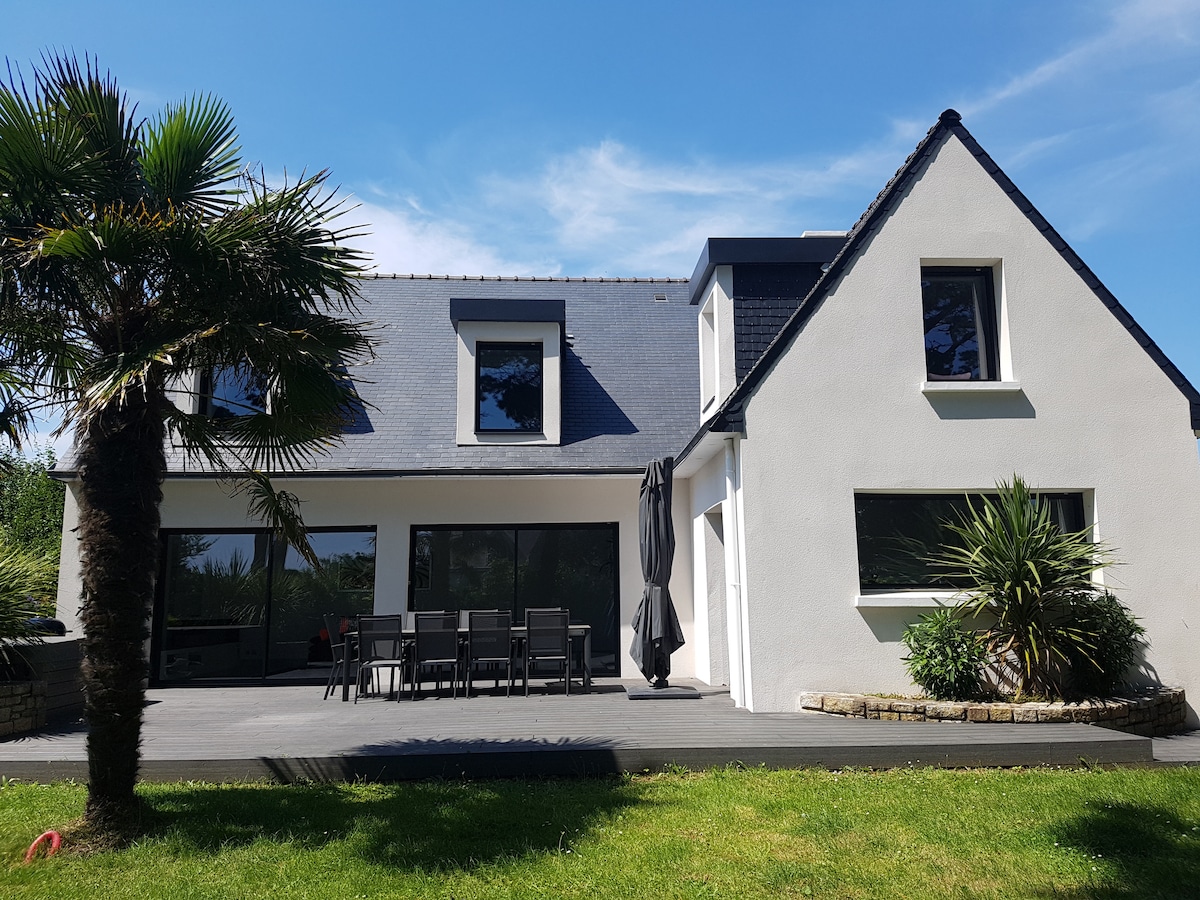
(898, 533)
(960, 324)
(509, 387)
(572, 566)
(229, 392)
(245, 605)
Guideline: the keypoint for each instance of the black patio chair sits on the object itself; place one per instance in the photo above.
(435, 647)
(381, 646)
(489, 645)
(337, 626)
(547, 641)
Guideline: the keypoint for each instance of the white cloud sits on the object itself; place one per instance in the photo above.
(406, 242)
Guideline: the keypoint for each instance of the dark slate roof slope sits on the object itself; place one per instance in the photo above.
(630, 377)
(729, 415)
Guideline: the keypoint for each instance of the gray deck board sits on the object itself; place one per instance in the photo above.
(289, 733)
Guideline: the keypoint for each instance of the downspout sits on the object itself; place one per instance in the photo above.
(733, 567)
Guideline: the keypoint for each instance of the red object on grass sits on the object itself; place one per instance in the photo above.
(53, 837)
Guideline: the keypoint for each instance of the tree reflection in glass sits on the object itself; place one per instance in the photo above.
(509, 387)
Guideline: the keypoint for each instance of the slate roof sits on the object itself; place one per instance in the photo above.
(728, 416)
(630, 378)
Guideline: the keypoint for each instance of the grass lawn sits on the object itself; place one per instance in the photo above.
(920, 833)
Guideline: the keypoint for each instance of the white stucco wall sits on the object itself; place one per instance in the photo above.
(843, 411)
(394, 505)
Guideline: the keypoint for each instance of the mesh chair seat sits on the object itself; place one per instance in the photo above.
(547, 641)
(380, 646)
(435, 647)
(336, 627)
(489, 645)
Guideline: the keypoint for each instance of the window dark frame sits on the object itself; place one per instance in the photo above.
(1073, 507)
(511, 345)
(208, 400)
(989, 351)
(158, 623)
(612, 527)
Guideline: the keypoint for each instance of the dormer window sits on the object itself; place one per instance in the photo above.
(226, 392)
(510, 366)
(508, 387)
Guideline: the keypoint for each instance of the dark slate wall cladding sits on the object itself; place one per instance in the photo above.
(764, 298)
(630, 376)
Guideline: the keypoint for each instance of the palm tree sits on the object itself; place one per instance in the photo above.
(138, 257)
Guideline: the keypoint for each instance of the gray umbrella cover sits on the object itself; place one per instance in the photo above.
(656, 631)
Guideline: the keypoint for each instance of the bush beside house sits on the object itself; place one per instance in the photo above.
(1054, 632)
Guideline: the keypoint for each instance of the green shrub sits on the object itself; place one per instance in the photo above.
(1019, 568)
(944, 658)
(1115, 638)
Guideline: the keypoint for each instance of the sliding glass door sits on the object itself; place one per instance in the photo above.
(516, 567)
(243, 605)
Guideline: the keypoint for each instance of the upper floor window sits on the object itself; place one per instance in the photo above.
(959, 306)
(508, 387)
(229, 392)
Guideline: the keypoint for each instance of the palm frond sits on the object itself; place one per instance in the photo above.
(190, 156)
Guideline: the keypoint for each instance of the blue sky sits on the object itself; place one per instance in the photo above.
(566, 138)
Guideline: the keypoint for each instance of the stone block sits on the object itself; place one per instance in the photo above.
(890, 716)
(1000, 712)
(978, 713)
(912, 717)
(907, 706)
(878, 704)
(810, 700)
(1025, 714)
(1053, 712)
(845, 705)
(951, 711)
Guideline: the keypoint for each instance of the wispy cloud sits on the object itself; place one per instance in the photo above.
(1136, 31)
(1112, 100)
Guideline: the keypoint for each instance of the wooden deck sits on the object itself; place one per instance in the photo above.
(288, 733)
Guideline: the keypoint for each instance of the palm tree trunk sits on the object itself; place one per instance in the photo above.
(121, 467)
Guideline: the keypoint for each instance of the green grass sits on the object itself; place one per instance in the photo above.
(920, 833)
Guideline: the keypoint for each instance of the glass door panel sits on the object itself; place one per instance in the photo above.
(301, 596)
(215, 600)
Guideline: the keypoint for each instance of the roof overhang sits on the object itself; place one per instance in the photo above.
(763, 251)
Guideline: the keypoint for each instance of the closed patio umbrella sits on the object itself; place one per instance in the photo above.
(656, 631)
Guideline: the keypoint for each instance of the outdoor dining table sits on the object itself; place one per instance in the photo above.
(581, 633)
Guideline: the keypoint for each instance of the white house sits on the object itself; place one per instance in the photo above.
(815, 391)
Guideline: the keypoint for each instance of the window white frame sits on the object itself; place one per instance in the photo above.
(549, 335)
(1005, 381)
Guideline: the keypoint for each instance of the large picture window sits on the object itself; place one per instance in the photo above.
(508, 385)
(516, 567)
(242, 604)
(960, 324)
(897, 533)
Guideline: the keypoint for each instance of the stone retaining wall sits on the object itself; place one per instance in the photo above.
(22, 706)
(1151, 713)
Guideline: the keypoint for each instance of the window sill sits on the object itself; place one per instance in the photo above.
(907, 600)
(969, 387)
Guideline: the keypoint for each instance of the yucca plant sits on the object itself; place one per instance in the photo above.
(1021, 570)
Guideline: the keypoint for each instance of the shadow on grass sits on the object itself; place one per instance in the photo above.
(419, 826)
(1143, 851)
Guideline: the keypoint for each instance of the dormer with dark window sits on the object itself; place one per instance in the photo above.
(746, 289)
(509, 371)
